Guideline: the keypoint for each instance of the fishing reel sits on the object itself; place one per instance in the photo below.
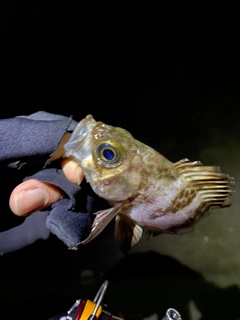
(84, 309)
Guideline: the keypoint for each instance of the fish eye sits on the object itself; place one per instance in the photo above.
(109, 152)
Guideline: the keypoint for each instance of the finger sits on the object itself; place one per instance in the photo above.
(33, 195)
(72, 171)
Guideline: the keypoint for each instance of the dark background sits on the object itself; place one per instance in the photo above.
(161, 69)
(168, 71)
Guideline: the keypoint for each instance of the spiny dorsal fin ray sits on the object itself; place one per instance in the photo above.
(213, 186)
(186, 163)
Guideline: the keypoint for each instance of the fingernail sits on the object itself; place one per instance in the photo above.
(29, 200)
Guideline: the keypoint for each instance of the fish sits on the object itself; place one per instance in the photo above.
(144, 189)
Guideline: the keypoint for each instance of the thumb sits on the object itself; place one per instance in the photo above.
(33, 195)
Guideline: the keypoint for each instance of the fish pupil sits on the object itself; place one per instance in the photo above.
(108, 154)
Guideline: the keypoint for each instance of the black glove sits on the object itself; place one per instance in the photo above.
(26, 144)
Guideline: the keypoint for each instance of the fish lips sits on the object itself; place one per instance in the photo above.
(78, 145)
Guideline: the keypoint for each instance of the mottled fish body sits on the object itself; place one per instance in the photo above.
(143, 187)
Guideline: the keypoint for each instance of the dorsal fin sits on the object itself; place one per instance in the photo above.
(213, 186)
(184, 163)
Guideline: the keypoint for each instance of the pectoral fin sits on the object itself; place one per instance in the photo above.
(127, 233)
(102, 219)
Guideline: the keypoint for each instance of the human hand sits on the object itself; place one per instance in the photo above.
(33, 195)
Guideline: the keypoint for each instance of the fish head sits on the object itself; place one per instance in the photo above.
(109, 157)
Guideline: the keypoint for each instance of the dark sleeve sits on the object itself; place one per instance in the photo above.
(34, 137)
(32, 229)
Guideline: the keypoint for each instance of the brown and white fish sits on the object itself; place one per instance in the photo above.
(143, 188)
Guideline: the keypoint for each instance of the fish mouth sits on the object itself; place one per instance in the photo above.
(77, 145)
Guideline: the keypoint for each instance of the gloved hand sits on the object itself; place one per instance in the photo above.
(33, 144)
(32, 195)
